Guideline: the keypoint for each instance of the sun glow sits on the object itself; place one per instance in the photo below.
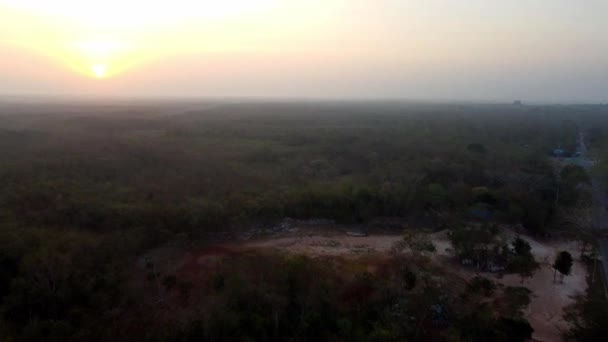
(104, 38)
(98, 58)
(99, 55)
(134, 13)
(99, 70)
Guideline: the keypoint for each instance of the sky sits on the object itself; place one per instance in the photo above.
(471, 50)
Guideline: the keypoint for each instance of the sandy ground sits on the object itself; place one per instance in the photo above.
(548, 301)
(546, 309)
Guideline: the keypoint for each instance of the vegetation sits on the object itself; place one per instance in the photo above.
(481, 285)
(89, 188)
(482, 247)
(215, 169)
(522, 260)
(589, 315)
(416, 242)
(563, 264)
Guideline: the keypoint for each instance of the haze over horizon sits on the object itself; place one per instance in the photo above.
(545, 51)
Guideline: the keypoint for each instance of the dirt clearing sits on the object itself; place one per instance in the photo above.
(548, 299)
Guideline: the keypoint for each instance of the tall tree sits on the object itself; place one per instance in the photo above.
(563, 264)
(522, 261)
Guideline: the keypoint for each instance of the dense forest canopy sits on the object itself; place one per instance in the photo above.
(266, 161)
(87, 188)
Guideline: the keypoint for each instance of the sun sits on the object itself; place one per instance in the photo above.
(104, 39)
(99, 70)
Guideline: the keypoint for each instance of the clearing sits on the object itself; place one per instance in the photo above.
(544, 312)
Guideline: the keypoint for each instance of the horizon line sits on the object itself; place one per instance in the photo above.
(80, 97)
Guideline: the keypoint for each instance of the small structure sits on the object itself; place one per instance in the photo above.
(518, 103)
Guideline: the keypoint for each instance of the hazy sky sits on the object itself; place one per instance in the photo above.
(534, 50)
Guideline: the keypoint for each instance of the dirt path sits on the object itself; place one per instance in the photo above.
(330, 243)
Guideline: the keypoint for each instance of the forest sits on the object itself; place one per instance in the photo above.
(90, 189)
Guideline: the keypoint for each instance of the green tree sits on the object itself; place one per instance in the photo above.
(562, 264)
(419, 243)
(517, 300)
(522, 261)
(481, 285)
(570, 179)
(521, 247)
(475, 244)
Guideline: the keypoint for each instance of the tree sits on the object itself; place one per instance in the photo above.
(522, 261)
(517, 300)
(481, 285)
(419, 243)
(536, 214)
(563, 264)
(569, 181)
(516, 329)
(436, 195)
(521, 247)
(475, 244)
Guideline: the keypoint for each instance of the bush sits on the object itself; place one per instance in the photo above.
(481, 285)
